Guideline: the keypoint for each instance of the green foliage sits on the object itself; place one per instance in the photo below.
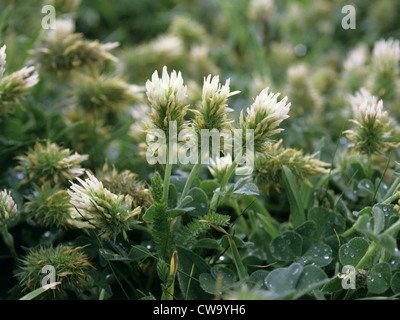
(320, 209)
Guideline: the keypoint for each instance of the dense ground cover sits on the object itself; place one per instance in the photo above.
(83, 203)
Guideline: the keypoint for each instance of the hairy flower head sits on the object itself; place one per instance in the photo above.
(8, 208)
(50, 163)
(71, 266)
(268, 166)
(13, 86)
(213, 110)
(61, 53)
(167, 96)
(264, 116)
(97, 207)
(372, 133)
(386, 53)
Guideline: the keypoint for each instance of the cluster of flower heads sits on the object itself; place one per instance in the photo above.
(264, 117)
(86, 204)
(13, 86)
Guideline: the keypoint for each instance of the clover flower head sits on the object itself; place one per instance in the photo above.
(71, 266)
(372, 133)
(61, 52)
(8, 208)
(15, 85)
(50, 163)
(97, 207)
(264, 116)
(356, 57)
(213, 110)
(386, 53)
(167, 96)
(219, 166)
(49, 206)
(268, 166)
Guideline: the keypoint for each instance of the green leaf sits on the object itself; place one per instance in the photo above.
(284, 279)
(311, 278)
(149, 214)
(297, 214)
(187, 259)
(395, 282)
(379, 278)
(258, 278)
(286, 246)
(207, 243)
(138, 253)
(208, 281)
(208, 186)
(351, 253)
(268, 225)
(39, 291)
(199, 202)
(365, 188)
(379, 219)
(248, 189)
(327, 222)
(319, 254)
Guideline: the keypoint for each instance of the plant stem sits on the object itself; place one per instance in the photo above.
(167, 176)
(9, 241)
(372, 250)
(225, 179)
(189, 181)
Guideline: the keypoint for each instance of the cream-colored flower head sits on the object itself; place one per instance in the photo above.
(386, 53)
(97, 207)
(213, 112)
(372, 133)
(167, 96)
(264, 116)
(219, 166)
(8, 208)
(14, 85)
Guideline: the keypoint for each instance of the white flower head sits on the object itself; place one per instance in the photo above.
(8, 208)
(167, 96)
(386, 53)
(219, 166)
(362, 96)
(356, 57)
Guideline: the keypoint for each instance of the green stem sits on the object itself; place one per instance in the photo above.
(9, 241)
(372, 250)
(393, 188)
(225, 179)
(189, 181)
(167, 176)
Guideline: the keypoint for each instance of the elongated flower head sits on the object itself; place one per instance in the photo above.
(97, 207)
(386, 53)
(8, 208)
(268, 166)
(167, 96)
(50, 163)
(264, 116)
(372, 133)
(14, 86)
(213, 110)
(71, 266)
